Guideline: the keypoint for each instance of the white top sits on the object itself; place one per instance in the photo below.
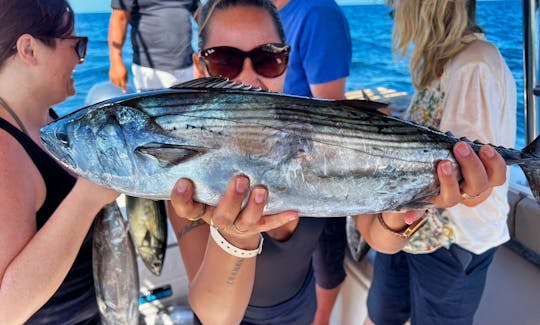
(476, 98)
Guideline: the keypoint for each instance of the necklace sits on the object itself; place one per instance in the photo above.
(15, 117)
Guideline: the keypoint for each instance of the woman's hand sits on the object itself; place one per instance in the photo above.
(240, 226)
(220, 282)
(480, 174)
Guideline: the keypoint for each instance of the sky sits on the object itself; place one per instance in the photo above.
(80, 6)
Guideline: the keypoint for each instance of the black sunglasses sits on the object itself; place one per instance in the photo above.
(80, 46)
(268, 60)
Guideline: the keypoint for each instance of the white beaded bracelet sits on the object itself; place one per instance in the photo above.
(230, 248)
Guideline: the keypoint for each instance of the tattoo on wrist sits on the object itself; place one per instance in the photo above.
(235, 271)
(192, 225)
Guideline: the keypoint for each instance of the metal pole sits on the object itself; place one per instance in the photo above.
(530, 58)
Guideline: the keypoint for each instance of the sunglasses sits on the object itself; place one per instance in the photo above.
(80, 46)
(268, 60)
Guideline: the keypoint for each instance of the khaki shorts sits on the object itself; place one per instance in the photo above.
(145, 78)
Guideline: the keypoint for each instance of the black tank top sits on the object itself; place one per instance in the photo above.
(74, 302)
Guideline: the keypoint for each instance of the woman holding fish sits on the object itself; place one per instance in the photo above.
(463, 85)
(46, 213)
(247, 267)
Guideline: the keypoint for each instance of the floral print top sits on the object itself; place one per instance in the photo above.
(426, 108)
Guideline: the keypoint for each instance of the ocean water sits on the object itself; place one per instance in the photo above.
(373, 64)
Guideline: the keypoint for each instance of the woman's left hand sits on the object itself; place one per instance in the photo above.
(480, 174)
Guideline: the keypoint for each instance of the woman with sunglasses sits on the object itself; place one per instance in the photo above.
(46, 213)
(233, 277)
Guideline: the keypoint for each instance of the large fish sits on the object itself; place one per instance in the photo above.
(319, 157)
(116, 276)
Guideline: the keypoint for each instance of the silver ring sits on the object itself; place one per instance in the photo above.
(238, 230)
(466, 196)
(200, 215)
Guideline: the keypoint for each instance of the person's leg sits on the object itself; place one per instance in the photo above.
(447, 285)
(388, 297)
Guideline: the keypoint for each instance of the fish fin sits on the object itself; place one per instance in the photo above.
(369, 106)
(531, 168)
(450, 134)
(216, 83)
(169, 155)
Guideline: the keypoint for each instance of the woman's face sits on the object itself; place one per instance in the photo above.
(58, 63)
(245, 28)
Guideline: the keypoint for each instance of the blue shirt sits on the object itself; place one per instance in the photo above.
(321, 49)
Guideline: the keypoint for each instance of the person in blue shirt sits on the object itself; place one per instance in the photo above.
(236, 277)
(319, 64)
(321, 50)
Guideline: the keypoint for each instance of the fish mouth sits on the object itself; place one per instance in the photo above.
(56, 142)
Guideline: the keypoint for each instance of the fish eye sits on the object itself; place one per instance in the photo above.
(63, 137)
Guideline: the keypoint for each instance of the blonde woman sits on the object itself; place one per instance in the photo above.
(463, 85)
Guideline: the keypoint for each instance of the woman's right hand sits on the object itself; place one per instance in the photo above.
(240, 226)
(118, 74)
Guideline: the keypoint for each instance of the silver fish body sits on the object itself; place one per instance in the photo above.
(319, 157)
(148, 228)
(116, 277)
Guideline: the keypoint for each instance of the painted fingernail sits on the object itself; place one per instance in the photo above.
(181, 187)
(242, 184)
(260, 195)
(463, 149)
(489, 151)
(447, 168)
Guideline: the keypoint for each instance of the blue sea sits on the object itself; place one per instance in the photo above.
(373, 64)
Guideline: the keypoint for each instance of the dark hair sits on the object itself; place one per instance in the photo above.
(205, 12)
(471, 11)
(43, 19)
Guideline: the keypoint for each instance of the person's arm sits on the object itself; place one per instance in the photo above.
(117, 35)
(334, 89)
(220, 284)
(34, 264)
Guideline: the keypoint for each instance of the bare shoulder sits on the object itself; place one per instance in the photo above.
(21, 185)
(19, 191)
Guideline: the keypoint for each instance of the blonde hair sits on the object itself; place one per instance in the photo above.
(436, 29)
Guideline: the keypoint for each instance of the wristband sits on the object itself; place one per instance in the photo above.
(230, 248)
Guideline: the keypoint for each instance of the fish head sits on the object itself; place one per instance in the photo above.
(92, 142)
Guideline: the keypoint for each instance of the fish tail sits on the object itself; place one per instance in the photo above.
(531, 166)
